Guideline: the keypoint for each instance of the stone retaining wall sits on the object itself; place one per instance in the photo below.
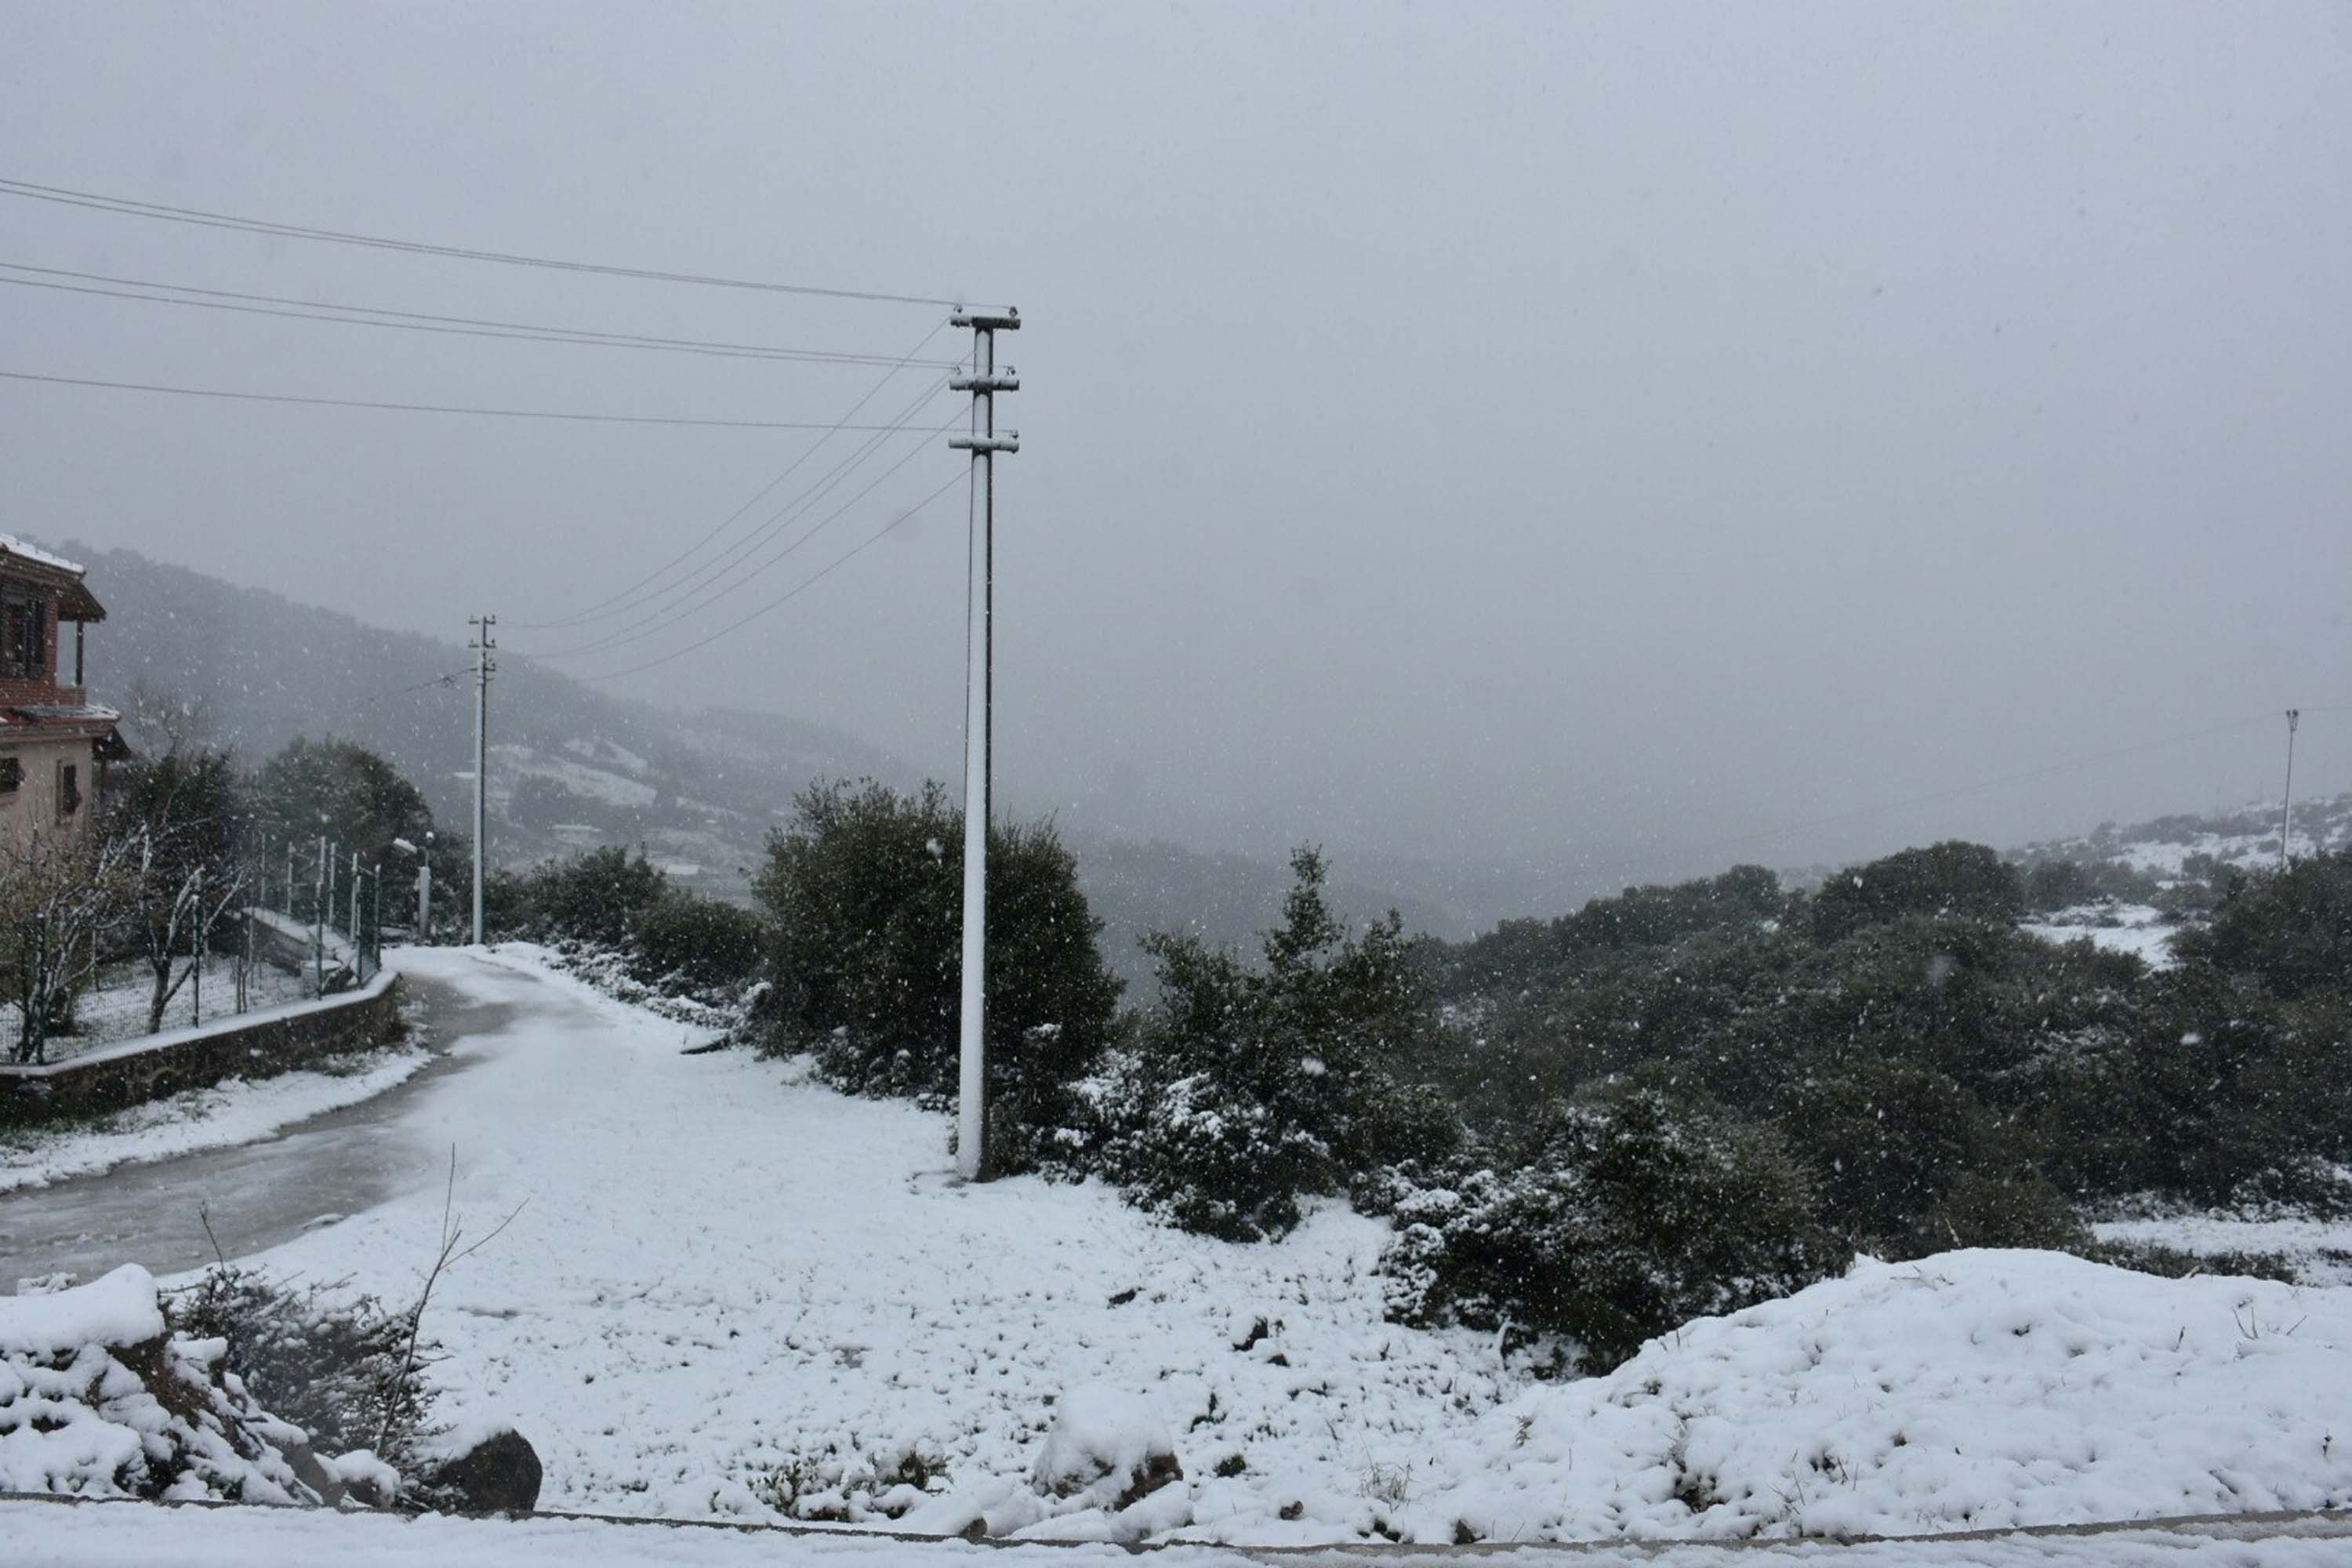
(248, 1045)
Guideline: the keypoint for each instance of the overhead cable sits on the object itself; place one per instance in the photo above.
(612, 602)
(135, 208)
(804, 587)
(662, 620)
(424, 322)
(435, 407)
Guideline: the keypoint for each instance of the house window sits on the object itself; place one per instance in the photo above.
(23, 635)
(68, 790)
(12, 776)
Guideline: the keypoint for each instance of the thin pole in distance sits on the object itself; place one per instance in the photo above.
(483, 646)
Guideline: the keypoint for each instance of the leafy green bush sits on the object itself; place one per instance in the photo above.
(1948, 878)
(599, 896)
(865, 896)
(1632, 1212)
(701, 944)
(2292, 929)
(1252, 1087)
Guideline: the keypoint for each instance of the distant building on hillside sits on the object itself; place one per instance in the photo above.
(55, 742)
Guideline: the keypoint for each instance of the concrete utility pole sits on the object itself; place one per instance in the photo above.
(424, 892)
(2286, 813)
(984, 380)
(197, 950)
(319, 918)
(484, 668)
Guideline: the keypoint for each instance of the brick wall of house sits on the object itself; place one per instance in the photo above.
(13, 693)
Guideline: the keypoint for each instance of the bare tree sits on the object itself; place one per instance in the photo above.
(180, 813)
(59, 893)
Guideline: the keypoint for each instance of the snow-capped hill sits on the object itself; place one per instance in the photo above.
(261, 669)
(2190, 844)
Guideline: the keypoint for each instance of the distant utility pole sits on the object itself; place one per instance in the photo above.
(424, 892)
(484, 668)
(2286, 813)
(984, 380)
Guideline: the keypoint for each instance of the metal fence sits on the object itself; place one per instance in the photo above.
(339, 900)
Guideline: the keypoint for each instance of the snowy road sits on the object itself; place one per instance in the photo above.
(257, 1194)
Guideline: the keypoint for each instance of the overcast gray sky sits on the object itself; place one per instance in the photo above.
(1573, 435)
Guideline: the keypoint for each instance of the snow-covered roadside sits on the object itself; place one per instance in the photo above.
(727, 1286)
(2319, 1250)
(52, 1535)
(721, 1271)
(233, 1111)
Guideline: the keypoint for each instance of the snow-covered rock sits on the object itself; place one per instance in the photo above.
(1108, 1447)
(97, 1399)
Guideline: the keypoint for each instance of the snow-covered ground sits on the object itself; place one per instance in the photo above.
(2139, 928)
(97, 1535)
(720, 1275)
(2319, 1250)
(116, 1008)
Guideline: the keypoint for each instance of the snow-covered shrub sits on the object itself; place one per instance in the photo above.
(1108, 1449)
(697, 945)
(100, 1398)
(1207, 1155)
(1250, 1087)
(842, 1484)
(1630, 1212)
(340, 1368)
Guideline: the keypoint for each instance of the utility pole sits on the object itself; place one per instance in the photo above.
(424, 892)
(484, 668)
(319, 918)
(984, 380)
(197, 950)
(2286, 813)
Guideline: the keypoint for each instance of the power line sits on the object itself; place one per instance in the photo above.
(669, 598)
(675, 612)
(426, 322)
(611, 604)
(804, 585)
(448, 680)
(133, 208)
(664, 600)
(436, 408)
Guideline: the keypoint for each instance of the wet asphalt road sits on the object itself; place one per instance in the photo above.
(256, 1194)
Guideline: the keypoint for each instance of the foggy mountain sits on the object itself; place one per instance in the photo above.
(570, 765)
(573, 767)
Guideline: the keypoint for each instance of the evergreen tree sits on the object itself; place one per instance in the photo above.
(864, 891)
